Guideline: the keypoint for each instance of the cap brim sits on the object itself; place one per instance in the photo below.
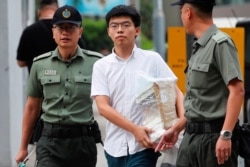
(68, 21)
(176, 3)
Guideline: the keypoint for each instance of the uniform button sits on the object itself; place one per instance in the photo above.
(66, 93)
(67, 79)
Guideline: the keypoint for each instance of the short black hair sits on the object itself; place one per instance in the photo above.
(124, 10)
(206, 9)
(44, 3)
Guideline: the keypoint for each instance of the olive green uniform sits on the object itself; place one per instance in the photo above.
(213, 64)
(67, 106)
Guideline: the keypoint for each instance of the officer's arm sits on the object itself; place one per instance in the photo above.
(31, 113)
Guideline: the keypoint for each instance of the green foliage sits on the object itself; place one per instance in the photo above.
(146, 11)
(146, 43)
(95, 34)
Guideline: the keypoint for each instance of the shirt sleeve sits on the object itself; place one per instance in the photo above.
(163, 70)
(34, 87)
(228, 62)
(99, 82)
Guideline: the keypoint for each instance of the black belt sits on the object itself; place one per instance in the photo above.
(65, 131)
(200, 127)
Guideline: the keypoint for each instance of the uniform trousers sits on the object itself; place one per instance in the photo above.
(60, 147)
(199, 143)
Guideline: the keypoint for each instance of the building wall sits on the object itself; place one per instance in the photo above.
(11, 87)
(4, 96)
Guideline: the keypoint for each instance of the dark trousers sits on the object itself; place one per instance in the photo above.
(145, 158)
(61, 147)
(198, 146)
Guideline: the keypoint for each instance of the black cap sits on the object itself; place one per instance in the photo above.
(181, 2)
(67, 14)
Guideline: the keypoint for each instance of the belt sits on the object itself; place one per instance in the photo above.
(64, 131)
(200, 127)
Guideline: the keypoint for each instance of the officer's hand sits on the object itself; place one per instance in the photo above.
(223, 150)
(21, 156)
(167, 141)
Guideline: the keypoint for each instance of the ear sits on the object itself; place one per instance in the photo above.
(108, 32)
(80, 32)
(39, 13)
(53, 32)
(137, 30)
(189, 12)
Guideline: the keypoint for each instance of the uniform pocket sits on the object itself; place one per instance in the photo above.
(82, 79)
(50, 85)
(198, 77)
(83, 85)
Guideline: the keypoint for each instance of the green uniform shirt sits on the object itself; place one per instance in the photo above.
(213, 63)
(64, 86)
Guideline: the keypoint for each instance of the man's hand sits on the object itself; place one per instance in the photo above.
(141, 134)
(223, 150)
(168, 140)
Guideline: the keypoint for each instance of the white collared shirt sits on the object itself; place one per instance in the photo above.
(116, 78)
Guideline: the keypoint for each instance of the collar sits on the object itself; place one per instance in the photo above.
(56, 55)
(133, 55)
(207, 36)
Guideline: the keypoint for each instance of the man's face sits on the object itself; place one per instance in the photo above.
(67, 34)
(122, 30)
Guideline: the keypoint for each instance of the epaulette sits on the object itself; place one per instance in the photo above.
(220, 37)
(92, 53)
(42, 56)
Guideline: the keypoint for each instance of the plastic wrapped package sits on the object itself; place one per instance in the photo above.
(157, 98)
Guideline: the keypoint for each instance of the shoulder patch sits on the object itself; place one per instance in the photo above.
(92, 53)
(42, 56)
(220, 37)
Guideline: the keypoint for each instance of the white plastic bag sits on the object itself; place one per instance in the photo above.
(157, 97)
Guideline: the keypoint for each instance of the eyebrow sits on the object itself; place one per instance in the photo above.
(119, 22)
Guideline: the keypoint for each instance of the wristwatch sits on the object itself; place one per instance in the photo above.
(226, 134)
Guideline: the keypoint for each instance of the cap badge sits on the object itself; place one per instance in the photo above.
(66, 13)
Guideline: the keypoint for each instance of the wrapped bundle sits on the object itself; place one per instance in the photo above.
(157, 97)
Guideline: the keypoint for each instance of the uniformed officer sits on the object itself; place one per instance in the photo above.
(214, 91)
(60, 83)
